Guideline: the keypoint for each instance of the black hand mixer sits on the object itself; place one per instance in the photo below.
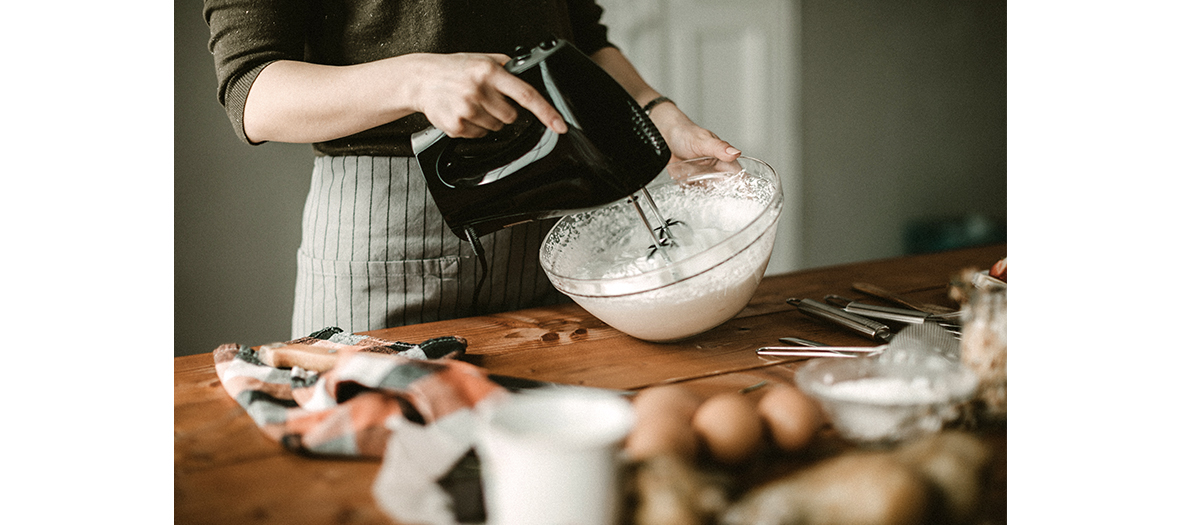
(526, 172)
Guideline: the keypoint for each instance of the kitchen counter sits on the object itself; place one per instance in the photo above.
(227, 471)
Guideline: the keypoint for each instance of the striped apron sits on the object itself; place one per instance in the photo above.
(376, 253)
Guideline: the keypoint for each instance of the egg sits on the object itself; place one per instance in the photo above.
(791, 417)
(657, 436)
(729, 426)
(663, 423)
(674, 400)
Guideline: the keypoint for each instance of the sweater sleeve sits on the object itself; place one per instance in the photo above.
(244, 37)
(589, 33)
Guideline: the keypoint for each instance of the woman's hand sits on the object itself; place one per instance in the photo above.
(688, 140)
(464, 95)
(467, 95)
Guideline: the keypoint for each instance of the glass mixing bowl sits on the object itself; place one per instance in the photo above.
(727, 215)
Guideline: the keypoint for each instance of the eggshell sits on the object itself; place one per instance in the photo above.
(663, 423)
(659, 435)
(674, 400)
(791, 417)
(729, 426)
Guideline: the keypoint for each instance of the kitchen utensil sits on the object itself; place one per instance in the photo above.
(317, 358)
(521, 384)
(881, 293)
(917, 341)
(323, 355)
(808, 348)
(912, 342)
(527, 172)
(859, 324)
(661, 234)
(799, 341)
(889, 313)
(599, 258)
(821, 351)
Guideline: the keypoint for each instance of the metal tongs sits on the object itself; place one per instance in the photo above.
(860, 324)
(914, 342)
(874, 330)
(949, 321)
(859, 317)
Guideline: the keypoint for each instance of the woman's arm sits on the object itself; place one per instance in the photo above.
(686, 139)
(463, 94)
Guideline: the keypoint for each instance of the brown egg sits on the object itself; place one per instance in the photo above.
(674, 400)
(661, 435)
(792, 418)
(729, 426)
(663, 423)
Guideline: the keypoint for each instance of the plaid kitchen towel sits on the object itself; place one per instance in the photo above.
(373, 389)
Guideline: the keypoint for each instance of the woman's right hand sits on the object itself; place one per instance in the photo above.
(467, 94)
(463, 94)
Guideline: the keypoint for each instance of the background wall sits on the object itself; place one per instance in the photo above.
(902, 123)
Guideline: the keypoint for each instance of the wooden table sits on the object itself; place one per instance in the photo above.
(226, 471)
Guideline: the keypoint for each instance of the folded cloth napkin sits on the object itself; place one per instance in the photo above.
(410, 404)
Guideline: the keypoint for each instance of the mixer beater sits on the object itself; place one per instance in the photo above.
(661, 235)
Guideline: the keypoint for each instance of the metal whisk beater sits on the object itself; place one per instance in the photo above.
(661, 235)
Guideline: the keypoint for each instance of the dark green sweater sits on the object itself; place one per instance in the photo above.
(246, 35)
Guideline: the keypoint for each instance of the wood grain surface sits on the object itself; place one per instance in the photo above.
(226, 471)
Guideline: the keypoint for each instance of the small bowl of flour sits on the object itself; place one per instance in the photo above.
(871, 400)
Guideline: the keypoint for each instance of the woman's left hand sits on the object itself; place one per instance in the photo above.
(686, 139)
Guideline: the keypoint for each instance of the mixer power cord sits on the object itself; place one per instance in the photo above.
(483, 266)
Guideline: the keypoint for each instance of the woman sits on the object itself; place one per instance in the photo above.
(355, 78)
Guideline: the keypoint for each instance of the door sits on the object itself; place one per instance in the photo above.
(732, 67)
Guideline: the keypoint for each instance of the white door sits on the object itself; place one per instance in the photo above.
(732, 66)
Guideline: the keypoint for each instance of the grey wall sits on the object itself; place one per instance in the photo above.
(903, 120)
(237, 212)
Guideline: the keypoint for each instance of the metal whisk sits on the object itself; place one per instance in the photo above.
(661, 234)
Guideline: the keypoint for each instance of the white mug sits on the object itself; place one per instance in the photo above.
(551, 456)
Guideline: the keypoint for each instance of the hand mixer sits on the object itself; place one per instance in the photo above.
(526, 172)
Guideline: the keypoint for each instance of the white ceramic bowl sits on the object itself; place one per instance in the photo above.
(732, 210)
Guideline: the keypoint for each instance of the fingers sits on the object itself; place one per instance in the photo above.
(473, 97)
(687, 140)
(471, 112)
(702, 143)
(531, 99)
(528, 97)
(723, 150)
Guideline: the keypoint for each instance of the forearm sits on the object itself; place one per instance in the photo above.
(300, 102)
(666, 115)
(463, 94)
(612, 61)
(686, 139)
